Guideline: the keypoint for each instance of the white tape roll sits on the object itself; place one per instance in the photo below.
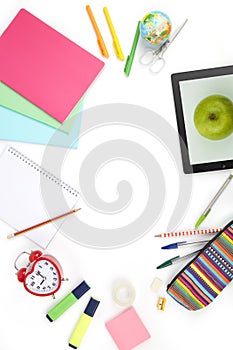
(123, 293)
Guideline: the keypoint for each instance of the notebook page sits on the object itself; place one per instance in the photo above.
(24, 187)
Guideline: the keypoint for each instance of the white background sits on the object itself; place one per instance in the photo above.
(202, 44)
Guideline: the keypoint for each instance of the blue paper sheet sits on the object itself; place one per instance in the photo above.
(19, 128)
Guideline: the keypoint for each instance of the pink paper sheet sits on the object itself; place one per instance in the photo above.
(44, 66)
(127, 329)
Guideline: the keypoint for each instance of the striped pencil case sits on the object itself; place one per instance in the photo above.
(203, 279)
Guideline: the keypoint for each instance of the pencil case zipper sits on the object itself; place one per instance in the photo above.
(200, 252)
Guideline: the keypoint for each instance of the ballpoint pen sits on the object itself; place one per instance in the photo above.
(181, 244)
(208, 209)
(116, 43)
(176, 258)
(130, 58)
(100, 39)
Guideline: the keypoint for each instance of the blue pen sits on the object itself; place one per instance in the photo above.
(180, 244)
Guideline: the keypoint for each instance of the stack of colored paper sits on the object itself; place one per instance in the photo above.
(43, 78)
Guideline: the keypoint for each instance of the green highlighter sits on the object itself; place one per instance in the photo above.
(83, 323)
(67, 302)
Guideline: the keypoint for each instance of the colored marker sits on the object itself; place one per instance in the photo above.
(130, 58)
(181, 244)
(218, 194)
(116, 43)
(100, 40)
(83, 323)
(67, 302)
(172, 260)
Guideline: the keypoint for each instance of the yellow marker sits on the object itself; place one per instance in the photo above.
(100, 39)
(116, 43)
(83, 323)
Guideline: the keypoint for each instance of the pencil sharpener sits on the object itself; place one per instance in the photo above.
(161, 303)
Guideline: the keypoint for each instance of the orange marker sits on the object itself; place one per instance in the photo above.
(100, 39)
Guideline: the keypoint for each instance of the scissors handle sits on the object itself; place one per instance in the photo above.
(147, 58)
(158, 65)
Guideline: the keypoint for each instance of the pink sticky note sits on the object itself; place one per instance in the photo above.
(44, 66)
(127, 330)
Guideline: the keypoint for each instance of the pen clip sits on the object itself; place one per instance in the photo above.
(127, 67)
(118, 50)
(102, 48)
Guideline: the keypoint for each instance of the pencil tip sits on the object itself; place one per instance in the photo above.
(9, 236)
(157, 236)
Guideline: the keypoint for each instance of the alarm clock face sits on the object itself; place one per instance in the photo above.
(43, 278)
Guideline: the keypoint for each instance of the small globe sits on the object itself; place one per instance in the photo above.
(155, 28)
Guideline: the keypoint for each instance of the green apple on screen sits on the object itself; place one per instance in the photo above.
(213, 117)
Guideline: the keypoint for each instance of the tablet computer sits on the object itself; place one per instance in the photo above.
(200, 153)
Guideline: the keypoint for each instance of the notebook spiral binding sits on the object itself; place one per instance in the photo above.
(43, 171)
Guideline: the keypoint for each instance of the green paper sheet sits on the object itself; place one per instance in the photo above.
(14, 101)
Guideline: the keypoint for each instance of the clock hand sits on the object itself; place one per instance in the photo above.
(39, 274)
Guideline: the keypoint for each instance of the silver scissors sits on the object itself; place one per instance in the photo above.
(154, 58)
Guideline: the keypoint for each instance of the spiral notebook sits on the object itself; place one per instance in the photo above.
(30, 194)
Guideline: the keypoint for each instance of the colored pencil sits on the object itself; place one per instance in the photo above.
(42, 223)
(188, 233)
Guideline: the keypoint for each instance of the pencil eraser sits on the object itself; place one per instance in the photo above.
(156, 285)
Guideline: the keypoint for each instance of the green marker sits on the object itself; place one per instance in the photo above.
(208, 209)
(130, 58)
(83, 323)
(178, 257)
(67, 302)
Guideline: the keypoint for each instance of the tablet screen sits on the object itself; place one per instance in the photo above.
(208, 135)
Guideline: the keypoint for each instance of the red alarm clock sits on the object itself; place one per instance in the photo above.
(43, 274)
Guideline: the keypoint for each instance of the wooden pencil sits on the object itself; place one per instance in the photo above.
(42, 223)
